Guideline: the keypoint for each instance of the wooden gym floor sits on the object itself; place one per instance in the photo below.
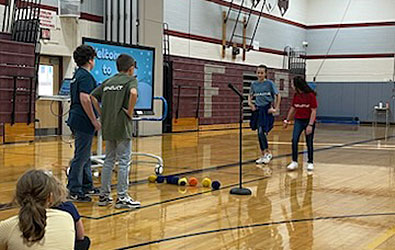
(347, 203)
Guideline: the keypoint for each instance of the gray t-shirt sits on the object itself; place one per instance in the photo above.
(263, 92)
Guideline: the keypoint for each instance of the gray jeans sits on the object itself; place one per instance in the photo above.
(121, 151)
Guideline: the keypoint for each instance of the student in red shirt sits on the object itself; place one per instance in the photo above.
(304, 107)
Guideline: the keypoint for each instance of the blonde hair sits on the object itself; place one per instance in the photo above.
(37, 190)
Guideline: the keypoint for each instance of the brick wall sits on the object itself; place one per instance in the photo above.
(218, 103)
(17, 60)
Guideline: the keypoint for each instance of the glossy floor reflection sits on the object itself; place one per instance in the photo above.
(347, 203)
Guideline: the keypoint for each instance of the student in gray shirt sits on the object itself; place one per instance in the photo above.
(118, 97)
(267, 102)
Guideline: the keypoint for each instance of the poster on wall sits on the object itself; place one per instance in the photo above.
(47, 19)
(45, 80)
(105, 67)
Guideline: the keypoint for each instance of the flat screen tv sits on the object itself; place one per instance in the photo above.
(105, 67)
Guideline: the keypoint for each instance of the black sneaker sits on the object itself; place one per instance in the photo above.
(93, 192)
(79, 198)
(126, 202)
(104, 200)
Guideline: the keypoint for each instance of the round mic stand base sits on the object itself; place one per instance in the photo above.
(240, 191)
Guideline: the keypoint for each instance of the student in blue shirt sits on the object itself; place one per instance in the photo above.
(83, 122)
(267, 102)
(82, 242)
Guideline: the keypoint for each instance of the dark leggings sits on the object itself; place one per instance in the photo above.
(262, 139)
(300, 125)
(82, 244)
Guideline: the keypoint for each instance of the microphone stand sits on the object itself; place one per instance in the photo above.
(240, 190)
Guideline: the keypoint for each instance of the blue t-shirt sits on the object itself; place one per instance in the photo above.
(82, 82)
(263, 92)
(71, 209)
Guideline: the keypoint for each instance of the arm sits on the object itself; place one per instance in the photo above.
(250, 95)
(291, 113)
(278, 101)
(132, 102)
(313, 115)
(277, 105)
(252, 106)
(96, 104)
(80, 232)
(87, 106)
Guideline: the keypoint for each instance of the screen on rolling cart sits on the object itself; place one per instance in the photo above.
(105, 67)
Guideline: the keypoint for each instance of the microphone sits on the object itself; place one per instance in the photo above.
(235, 90)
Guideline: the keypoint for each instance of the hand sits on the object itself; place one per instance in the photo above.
(285, 124)
(253, 108)
(97, 125)
(272, 111)
(309, 129)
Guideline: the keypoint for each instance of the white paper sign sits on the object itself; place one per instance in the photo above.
(47, 19)
(45, 80)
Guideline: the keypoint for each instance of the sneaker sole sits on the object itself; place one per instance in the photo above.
(265, 163)
(93, 194)
(259, 163)
(126, 206)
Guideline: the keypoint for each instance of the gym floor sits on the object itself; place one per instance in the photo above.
(346, 203)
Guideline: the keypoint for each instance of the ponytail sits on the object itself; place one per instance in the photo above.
(33, 192)
(32, 219)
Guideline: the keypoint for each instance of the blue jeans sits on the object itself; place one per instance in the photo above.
(300, 125)
(262, 138)
(80, 175)
(121, 150)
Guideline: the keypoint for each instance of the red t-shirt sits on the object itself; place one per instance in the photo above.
(303, 103)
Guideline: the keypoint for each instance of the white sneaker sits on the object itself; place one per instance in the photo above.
(310, 166)
(292, 166)
(127, 202)
(260, 160)
(267, 158)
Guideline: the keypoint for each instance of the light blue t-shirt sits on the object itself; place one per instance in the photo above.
(263, 92)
